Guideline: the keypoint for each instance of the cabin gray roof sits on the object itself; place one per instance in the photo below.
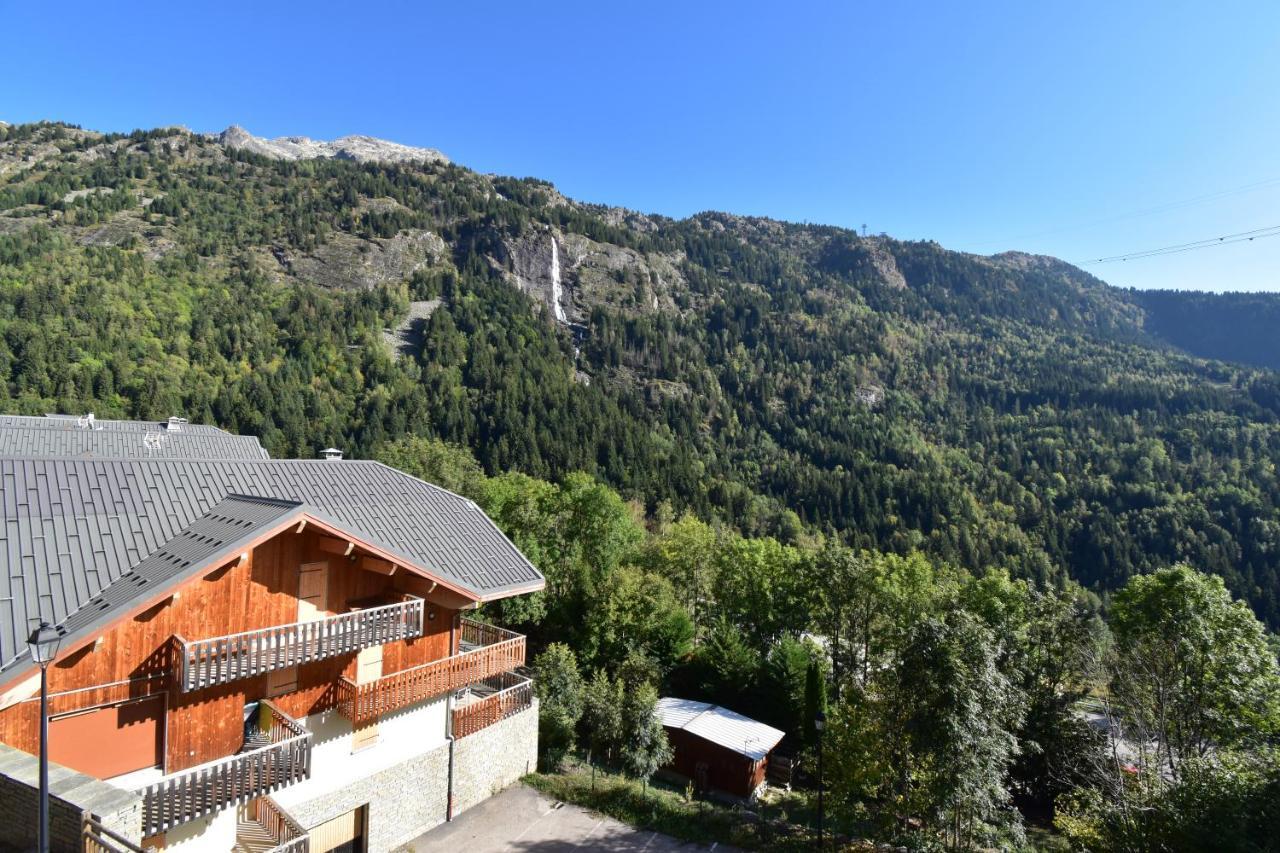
(720, 726)
(155, 443)
(73, 527)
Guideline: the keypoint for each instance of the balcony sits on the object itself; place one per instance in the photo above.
(278, 755)
(487, 651)
(218, 660)
(491, 701)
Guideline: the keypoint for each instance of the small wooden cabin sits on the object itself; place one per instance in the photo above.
(719, 750)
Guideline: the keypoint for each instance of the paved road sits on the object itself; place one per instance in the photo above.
(522, 820)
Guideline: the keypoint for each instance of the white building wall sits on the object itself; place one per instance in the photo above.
(204, 835)
(411, 731)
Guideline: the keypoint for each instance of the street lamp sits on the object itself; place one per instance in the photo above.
(819, 725)
(44, 647)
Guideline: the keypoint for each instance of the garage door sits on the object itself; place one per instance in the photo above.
(106, 742)
(343, 834)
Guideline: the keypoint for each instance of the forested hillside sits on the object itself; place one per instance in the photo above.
(786, 380)
(1243, 327)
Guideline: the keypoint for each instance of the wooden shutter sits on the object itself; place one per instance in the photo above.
(369, 665)
(282, 681)
(313, 588)
(368, 668)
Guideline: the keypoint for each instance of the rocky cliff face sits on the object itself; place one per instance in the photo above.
(352, 263)
(569, 272)
(362, 149)
(536, 265)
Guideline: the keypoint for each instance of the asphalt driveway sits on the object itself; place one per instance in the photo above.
(522, 820)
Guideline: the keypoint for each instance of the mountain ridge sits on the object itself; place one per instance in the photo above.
(1001, 411)
(357, 147)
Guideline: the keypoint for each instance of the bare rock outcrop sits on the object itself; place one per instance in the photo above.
(353, 263)
(362, 149)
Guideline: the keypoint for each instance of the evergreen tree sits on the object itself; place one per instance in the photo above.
(558, 685)
(644, 747)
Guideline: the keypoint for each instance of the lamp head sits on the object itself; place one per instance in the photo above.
(819, 721)
(44, 642)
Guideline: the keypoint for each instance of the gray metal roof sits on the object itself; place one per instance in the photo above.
(720, 726)
(213, 537)
(67, 439)
(60, 421)
(72, 527)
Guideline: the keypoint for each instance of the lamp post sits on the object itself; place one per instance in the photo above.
(820, 724)
(44, 647)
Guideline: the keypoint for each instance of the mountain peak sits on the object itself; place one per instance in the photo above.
(362, 149)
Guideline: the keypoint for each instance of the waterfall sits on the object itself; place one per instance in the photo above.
(557, 290)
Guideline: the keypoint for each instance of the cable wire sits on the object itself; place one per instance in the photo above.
(1177, 248)
(1134, 214)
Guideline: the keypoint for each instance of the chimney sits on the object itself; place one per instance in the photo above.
(331, 454)
(175, 423)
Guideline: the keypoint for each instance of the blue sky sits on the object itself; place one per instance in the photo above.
(985, 126)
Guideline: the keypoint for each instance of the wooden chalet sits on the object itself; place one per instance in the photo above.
(244, 640)
(718, 750)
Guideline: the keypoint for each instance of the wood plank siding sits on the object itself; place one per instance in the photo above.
(713, 767)
(135, 657)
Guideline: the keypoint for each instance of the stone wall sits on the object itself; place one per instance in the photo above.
(493, 758)
(72, 795)
(409, 798)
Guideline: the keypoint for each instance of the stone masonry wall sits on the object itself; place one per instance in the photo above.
(72, 795)
(493, 758)
(408, 799)
(403, 800)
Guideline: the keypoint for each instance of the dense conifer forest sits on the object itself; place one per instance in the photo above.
(1008, 412)
(969, 496)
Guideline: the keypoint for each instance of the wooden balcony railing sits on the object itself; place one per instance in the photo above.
(473, 634)
(285, 758)
(288, 834)
(493, 700)
(362, 703)
(218, 660)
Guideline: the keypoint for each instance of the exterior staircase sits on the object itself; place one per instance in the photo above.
(262, 827)
(251, 836)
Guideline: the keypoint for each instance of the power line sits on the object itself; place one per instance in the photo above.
(1224, 240)
(1148, 211)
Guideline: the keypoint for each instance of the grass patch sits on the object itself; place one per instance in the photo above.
(661, 808)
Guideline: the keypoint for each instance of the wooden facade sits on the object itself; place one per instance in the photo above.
(712, 767)
(135, 657)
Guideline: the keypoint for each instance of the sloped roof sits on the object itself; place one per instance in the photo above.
(73, 527)
(720, 726)
(58, 421)
(66, 439)
(213, 537)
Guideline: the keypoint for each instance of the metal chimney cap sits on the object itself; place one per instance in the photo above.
(332, 453)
